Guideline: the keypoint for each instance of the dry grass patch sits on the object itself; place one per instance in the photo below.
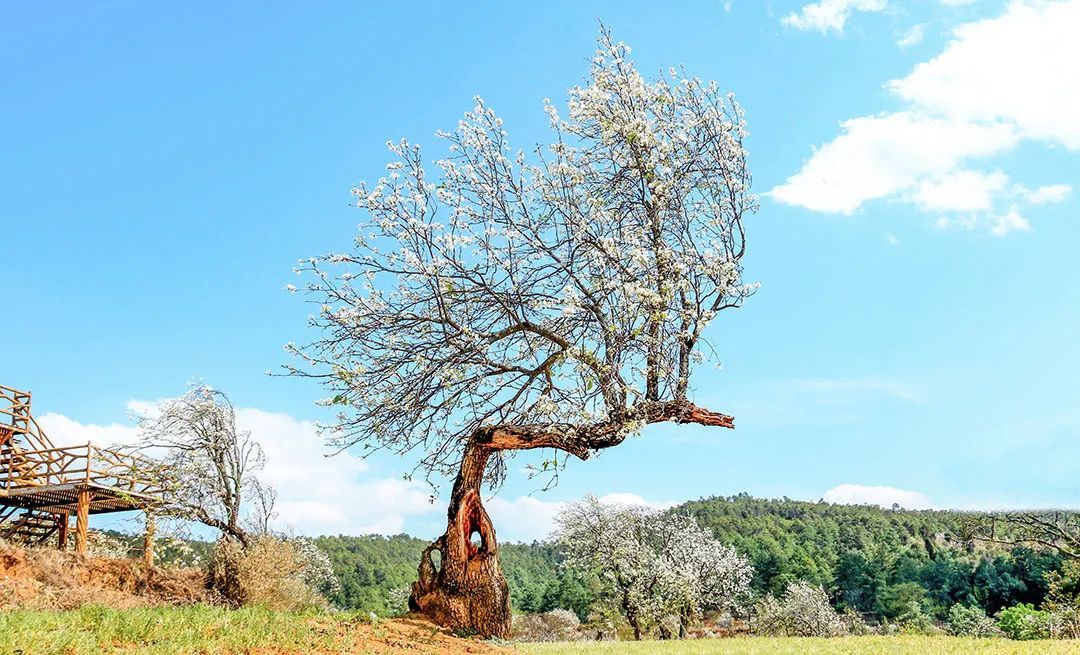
(43, 578)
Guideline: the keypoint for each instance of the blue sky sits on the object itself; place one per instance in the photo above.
(165, 166)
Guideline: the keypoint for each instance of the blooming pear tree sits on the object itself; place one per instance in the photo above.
(656, 566)
(208, 466)
(509, 302)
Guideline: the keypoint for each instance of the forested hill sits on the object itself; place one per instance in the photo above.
(797, 540)
(875, 560)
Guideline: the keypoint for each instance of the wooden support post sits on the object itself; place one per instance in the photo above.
(148, 540)
(62, 537)
(82, 518)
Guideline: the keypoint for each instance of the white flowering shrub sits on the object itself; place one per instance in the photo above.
(967, 621)
(316, 570)
(397, 601)
(556, 625)
(101, 544)
(1064, 622)
(660, 569)
(803, 611)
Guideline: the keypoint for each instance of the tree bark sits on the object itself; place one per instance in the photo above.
(466, 590)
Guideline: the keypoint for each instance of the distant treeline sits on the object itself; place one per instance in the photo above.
(874, 560)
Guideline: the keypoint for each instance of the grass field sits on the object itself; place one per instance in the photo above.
(843, 646)
(202, 630)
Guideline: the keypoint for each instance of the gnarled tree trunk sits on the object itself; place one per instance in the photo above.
(465, 590)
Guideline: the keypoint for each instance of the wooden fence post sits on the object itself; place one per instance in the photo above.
(62, 538)
(148, 540)
(82, 517)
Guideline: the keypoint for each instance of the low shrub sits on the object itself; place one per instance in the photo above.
(803, 611)
(1064, 622)
(273, 572)
(556, 625)
(1024, 622)
(913, 620)
(854, 624)
(967, 621)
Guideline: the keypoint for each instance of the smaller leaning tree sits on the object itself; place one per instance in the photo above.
(511, 303)
(208, 464)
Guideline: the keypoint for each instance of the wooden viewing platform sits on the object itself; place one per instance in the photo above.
(42, 486)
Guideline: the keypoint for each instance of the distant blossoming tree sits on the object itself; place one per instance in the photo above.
(549, 302)
(209, 466)
(803, 611)
(655, 565)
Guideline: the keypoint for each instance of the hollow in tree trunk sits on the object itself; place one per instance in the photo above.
(466, 590)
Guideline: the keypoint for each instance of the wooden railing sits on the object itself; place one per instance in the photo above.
(29, 459)
(15, 413)
(84, 464)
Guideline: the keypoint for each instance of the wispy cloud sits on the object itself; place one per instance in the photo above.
(913, 36)
(829, 15)
(882, 496)
(806, 402)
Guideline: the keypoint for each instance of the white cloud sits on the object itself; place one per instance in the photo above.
(892, 239)
(1047, 194)
(999, 82)
(913, 36)
(1009, 222)
(827, 15)
(857, 494)
(962, 190)
(524, 518)
(887, 155)
(1022, 69)
(328, 495)
(527, 518)
(63, 431)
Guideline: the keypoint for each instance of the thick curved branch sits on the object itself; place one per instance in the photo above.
(581, 441)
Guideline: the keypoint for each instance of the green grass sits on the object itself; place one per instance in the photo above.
(164, 631)
(899, 645)
(204, 630)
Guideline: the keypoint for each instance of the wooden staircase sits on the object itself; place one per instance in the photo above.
(21, 442)
(30, 527)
